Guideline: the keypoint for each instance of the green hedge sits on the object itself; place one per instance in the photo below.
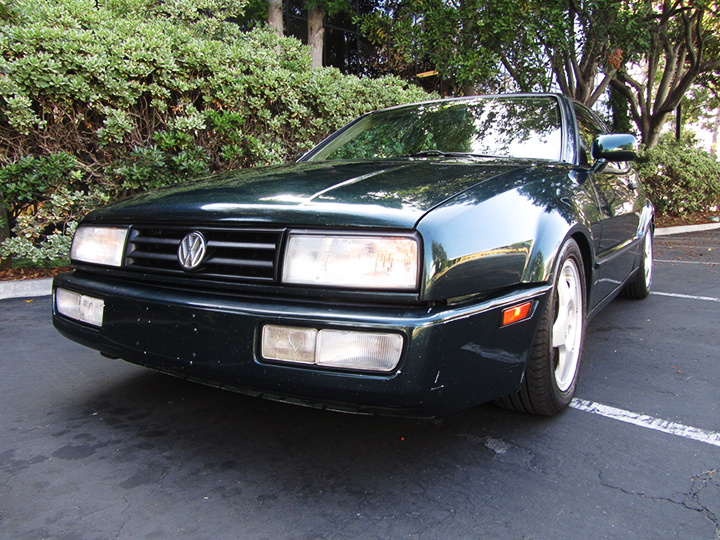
(681, 179)
(134, 94)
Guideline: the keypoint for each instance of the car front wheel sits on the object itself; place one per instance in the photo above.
(552, 370)
(639, 287)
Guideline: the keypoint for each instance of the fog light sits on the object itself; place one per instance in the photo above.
(358, 350)
(366, 351)
(289, 344)
(80, 307)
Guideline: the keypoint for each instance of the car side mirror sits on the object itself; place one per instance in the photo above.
(615, 147)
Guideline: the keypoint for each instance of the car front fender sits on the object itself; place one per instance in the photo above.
(477, 247)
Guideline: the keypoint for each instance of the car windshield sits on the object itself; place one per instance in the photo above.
(518, 126)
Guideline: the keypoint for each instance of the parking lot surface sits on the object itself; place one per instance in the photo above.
(92, 448)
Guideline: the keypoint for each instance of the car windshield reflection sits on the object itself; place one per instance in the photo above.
(517, 127)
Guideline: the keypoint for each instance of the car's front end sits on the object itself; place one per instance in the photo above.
(351, 304)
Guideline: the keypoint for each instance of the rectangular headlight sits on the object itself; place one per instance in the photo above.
(354, 261)
(99, 245)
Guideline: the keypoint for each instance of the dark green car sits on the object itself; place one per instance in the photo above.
(421, 260)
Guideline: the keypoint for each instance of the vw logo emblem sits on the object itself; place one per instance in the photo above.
(192, 251)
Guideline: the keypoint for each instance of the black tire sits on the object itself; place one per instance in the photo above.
(552, 369)
(639, 287)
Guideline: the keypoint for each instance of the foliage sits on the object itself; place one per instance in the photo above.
(680, 178)
(30, 181)
(457, 40)
(45, 197)
(330, 7)
(504, 44)
(45, 236)
(174, 158)
(598, 37)
(580, 47)
(135, 94)
(701, 105)
(255, 15)
(681, 43)
(85, 81)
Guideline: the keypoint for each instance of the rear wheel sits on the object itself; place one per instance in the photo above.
(639, 287)
(554, 362)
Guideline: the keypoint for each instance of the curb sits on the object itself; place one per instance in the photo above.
(667, 231)
(27, 288)
(31, 288)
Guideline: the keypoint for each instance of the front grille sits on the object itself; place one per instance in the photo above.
(243, 255)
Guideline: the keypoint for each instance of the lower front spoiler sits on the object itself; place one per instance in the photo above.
(453, 358)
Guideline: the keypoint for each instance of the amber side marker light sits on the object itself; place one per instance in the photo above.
(516, 313)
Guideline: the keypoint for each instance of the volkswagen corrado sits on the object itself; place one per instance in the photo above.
(421, 260)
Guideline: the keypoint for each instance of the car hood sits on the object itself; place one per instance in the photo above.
(393, 194)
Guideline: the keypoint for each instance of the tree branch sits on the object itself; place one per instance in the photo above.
(622, 83)
(560, 74)
(519, 79)
(689, 41)
(671, 65)
(601, 87)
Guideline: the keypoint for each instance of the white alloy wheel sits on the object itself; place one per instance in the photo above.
(639, 285)
(554, 361)
(648, 260)
(568, 326)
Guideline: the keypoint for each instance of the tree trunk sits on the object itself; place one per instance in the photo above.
(469, 89)
(316, 33)
(275, 16)
(651, 137)
(4, 233)
(713, 148)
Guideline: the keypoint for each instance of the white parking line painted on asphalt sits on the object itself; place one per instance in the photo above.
(650, 422)
(687, 296)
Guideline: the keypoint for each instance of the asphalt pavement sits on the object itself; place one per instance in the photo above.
(92, 448)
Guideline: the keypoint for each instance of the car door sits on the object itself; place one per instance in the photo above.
(619, 208)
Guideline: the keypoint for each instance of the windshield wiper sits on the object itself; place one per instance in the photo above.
(440, 153)
(428, 153)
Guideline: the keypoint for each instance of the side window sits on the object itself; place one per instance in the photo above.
(589, 129)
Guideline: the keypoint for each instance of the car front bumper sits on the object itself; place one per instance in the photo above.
(453, 358)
